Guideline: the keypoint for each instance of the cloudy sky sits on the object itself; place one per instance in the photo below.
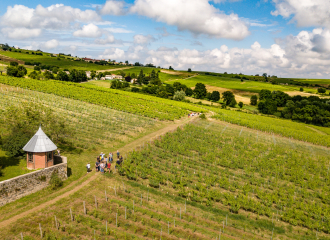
(287, 38)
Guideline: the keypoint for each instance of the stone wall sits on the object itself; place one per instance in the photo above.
(17, 187)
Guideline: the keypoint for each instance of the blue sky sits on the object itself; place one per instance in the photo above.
(282, 37)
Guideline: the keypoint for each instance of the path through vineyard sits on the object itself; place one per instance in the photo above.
(65, 192)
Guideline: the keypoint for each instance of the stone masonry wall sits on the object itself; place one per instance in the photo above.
(17, 187)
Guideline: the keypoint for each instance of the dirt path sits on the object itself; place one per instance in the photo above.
(46, 204)
(126, 148)
(114, 69)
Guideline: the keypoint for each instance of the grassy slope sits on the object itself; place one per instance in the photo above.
(66, 63)
(161, 207)
(236, 84)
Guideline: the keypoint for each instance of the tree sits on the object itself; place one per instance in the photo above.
(140, 78)
(215, 96)
(34, 75)
(93, 74)
(154, 78)
(200, 91)
(22, 122)
(179, 95)
(122, 73)
(36, 68)
(170, 68)
(240, 104)
(48, 75)
(189, 92)
(267, 107)
(301, 89)
(12, 71)
(265, 94)
(254, 100)
(228, 97)
(321, 90)
(14, 64)
(62, 76)
(189, 69)
(264, 75)
(232, 103)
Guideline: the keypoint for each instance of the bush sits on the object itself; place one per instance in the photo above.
(240, 104)
(321, 90)
(202, 116)
(135, 89)
(232, 103)
(14, 64)
(254, 100)
(179, 95)
(55, 181)
(301, 89)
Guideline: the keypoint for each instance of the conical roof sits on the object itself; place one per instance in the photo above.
(39, 143)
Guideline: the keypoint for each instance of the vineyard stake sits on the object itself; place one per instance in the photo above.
(94, 234)
(180, 212)
(106, 227)
(56, 223)
(105, 193)
(95, 202)
(116, 220)
(40, 229)
(84, 208)
(168, 228)
(22, 236)
(125, 213)
(71, 214)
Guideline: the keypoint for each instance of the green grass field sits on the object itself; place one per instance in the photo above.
(64, 63)
(196, 183)
(313, 81)
(236, 84)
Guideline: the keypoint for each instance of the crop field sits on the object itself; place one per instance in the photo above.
(236, 84)
(204, 181)
(287, 128)
(164, 75)
(64, 63)
(314, 81)
(139, 104)
(95, 126)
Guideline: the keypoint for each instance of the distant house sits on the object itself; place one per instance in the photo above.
(67, 72)
(102, 78)
(109, 77)
(88, 59)
(88, 74)
(117, 76)
(133, 80)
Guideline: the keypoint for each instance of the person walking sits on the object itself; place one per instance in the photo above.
(97, 165)
(102, 156)
(110, 157)
(109, 167)
(88, 166)
(102, 167)
(118, 154)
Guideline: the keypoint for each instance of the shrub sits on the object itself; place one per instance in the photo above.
(55, 181)
(179, 95)
(202, 116)
(254, 100)
(240, 104)
(301, 89)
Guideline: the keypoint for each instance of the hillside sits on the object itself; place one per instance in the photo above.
(229, 174)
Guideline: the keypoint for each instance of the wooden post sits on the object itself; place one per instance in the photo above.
(84, 208)
(226, 219)
(168, 228)
(71, 214)
(133, 206)
(141, 199)
(185, 206)
(95, 202)
(106, 227)
(174, 222)
(56, 223)
(220, 234)
(180, 212)
(116, 219)
(105, 193)
(125, 213)
(40, 230)
(22, 236)
(94, 234)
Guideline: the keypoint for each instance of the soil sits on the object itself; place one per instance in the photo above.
(126, 148)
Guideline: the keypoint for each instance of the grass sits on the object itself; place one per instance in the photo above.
(64, 63)
(236, 84)
(162, 206)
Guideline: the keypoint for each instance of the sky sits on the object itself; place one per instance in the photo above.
(286, 38)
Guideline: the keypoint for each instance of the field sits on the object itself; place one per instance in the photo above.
(64, 63)
(198, 182)
(314, 81)
(139, 104)
(236, 84)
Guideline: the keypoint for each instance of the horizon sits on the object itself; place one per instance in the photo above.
(285, 38)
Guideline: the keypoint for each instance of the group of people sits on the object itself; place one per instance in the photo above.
(103, 163)
(193, 114)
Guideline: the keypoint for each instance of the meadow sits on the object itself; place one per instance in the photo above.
(63, 63)
(236, 84)
(135, 103)
(198, 182)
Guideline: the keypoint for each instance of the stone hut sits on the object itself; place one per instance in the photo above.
(40, 151)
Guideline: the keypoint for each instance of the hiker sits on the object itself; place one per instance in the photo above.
(118, 154)
(109, 167)
(102, 156)
(97, 165)
(58, 152)
(102, 167)
(88, 166)
(110, 157)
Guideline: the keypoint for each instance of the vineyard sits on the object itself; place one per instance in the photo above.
(205, 181)
(139, 104)
(287, 128)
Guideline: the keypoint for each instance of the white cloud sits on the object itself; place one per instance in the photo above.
(88, 31)
(51, 44)
(306, 13)
(196, 16)
(113, 53)
(143, 39)
(21, 33)
(53, 17)
(118, 30)
(113, 8)
(304, 55)
(108, 40)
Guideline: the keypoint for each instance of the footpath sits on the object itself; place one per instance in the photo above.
(129, 147)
